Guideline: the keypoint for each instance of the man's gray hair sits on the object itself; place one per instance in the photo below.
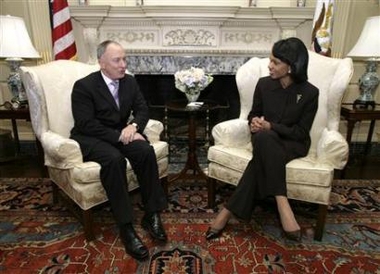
(103, 46)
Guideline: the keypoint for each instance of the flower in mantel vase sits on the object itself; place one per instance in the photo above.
(192, 82)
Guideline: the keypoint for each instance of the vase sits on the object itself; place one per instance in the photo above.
(192, 97)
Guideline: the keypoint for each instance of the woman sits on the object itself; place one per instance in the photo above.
(283, 110)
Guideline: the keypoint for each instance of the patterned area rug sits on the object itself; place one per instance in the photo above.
(39, 237)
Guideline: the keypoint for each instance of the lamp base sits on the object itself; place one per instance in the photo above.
(360, 104)
(15, 84)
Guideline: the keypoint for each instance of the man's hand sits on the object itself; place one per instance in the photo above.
(130, 134)
(259, 123)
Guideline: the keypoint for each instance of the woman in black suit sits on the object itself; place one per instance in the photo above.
(283, 110)
(102, 104)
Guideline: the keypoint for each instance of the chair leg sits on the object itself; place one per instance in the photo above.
(165, 185)
(84, 216)
(211, 182)
(321, 219)
(55, 191)
(88, 225)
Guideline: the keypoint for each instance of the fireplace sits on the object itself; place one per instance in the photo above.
(155, 75)
(159, 89)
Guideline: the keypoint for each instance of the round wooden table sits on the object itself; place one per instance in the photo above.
(192, 163)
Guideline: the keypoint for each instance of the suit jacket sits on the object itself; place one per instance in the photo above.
(290, 111)
(96, 114)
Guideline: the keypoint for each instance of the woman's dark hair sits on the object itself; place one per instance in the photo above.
(293, 52)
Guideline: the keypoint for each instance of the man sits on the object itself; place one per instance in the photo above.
(102, 103)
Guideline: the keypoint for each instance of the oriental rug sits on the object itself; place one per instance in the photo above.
(37, 236)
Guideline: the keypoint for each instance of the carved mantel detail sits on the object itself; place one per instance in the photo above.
(223, 32)
(190, 37)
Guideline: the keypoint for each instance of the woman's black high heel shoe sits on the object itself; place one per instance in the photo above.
(293, 235)
(213, 233)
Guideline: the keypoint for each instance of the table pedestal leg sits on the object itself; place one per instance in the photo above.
(192, 160)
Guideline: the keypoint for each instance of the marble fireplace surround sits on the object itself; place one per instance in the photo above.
(160, 40)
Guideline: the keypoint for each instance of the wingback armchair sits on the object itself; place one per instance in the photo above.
(309, 178)
(49, 88)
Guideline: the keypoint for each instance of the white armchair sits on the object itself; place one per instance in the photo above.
(49, 88)
(309, 178)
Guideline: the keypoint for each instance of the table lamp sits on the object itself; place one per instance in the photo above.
(368, 48)
(15, 44)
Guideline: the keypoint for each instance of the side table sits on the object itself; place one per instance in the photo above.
(13, 115)
(21, 114)
(352, 115)
(192, 163)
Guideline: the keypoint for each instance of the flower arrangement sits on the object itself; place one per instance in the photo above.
(192, 81)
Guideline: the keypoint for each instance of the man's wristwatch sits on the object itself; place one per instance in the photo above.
(136, 126)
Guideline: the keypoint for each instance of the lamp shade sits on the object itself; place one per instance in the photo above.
(14, 39)
(368, 44)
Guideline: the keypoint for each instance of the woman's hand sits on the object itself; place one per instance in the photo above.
(259, 123)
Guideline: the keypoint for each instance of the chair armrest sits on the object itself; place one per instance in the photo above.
(232, 133)
(333, 149)
(60, 152)
(153, 130)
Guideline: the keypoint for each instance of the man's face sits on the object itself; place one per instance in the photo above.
(277, 68)
(112, 62)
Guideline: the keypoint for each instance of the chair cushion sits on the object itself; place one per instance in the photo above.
(88, 172)
(304, 171)
(231, 157)
(85, 196)
(308, 171)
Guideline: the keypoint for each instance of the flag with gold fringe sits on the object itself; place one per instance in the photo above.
(62, 31)
(321, 37)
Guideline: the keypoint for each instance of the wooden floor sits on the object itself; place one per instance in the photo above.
(28, 165)
(362, 168)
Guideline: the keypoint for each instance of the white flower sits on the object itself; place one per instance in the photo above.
(192, 81)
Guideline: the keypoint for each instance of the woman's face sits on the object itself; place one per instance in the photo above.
(277, 68)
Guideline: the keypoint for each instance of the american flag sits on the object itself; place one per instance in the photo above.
(62, 30)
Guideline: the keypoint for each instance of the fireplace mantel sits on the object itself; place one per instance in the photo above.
(161, 39)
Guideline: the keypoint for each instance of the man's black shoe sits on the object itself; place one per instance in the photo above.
(152, 223)
(132, 243)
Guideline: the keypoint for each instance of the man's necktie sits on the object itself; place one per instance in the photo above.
(114, 88)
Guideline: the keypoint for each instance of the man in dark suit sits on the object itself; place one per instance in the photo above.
(102, 104)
